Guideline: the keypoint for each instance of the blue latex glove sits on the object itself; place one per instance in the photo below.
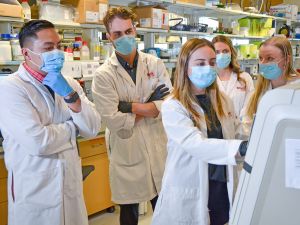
(58, 84)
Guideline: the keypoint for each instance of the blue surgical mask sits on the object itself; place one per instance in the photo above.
(270, 71)
(203, 76)
(51, 61)
(125, 44)
(223, 60)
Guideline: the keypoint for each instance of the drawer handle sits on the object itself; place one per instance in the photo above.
(96, 145)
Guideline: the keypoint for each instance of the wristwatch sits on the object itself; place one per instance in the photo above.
(73, 98)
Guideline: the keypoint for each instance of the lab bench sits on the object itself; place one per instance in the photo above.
(96, 187)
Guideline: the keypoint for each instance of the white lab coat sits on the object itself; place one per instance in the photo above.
(41, 156)
(184, 196)
(137, 150)
(237, 91)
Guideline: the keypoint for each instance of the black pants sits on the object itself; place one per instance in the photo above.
(129, 214)
(218, 203)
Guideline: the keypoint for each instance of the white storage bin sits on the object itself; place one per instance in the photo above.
(57, 13)
(5, 49)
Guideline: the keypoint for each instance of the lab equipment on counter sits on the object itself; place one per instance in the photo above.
(264, 195)
(153, 51)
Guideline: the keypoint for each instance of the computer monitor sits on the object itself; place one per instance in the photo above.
(268, 191)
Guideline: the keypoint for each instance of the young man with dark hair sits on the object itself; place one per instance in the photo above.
(128, 90)
(41, 114)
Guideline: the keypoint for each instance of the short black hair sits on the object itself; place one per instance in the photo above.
(30, 29)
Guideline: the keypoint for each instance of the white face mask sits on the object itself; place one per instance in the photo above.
(203, 76)
(223, 60)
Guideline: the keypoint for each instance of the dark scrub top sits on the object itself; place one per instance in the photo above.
(218, 202)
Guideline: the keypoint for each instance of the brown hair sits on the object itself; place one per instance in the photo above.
(234, 65)
(262, 83)
(118, 12)
(182, 85)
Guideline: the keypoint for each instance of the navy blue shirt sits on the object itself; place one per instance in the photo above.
(131, 70)
(216, 172)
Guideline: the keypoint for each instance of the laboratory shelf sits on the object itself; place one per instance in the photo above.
(190, 33)
(11, 19)
(214, 12)
(243, 36)
(294, 39)
(10, 63)
(179, 32)
(150, 30)
(247, 60)
(78, 25)
(172, 60)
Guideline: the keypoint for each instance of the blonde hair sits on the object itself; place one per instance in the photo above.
(118, 12)
(262, 83)
(234, 65)
(182, 85)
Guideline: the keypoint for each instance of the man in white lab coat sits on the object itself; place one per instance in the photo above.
(128, 90)
(41, 114)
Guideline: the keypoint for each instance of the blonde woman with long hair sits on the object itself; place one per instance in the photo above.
(199, 123)
(275, 69)
(236, 84)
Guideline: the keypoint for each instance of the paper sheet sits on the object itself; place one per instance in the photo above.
(292, 163)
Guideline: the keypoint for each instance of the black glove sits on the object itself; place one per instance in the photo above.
(158, 94)
(125, 107)
(243, 148)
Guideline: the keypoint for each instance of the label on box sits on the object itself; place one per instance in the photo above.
(165, 19)
(157, 18)
(145, 22)
(156, 23)
(102, 10)
(92, 17)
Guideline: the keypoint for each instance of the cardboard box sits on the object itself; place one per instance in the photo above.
(11, 10)
(197, 2)
(89, 11)
(152, 17)
(165, 19)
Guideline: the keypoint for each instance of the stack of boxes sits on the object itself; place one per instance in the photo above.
(88, 11)
(285, 10)
(13, 10)
(152, 17)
